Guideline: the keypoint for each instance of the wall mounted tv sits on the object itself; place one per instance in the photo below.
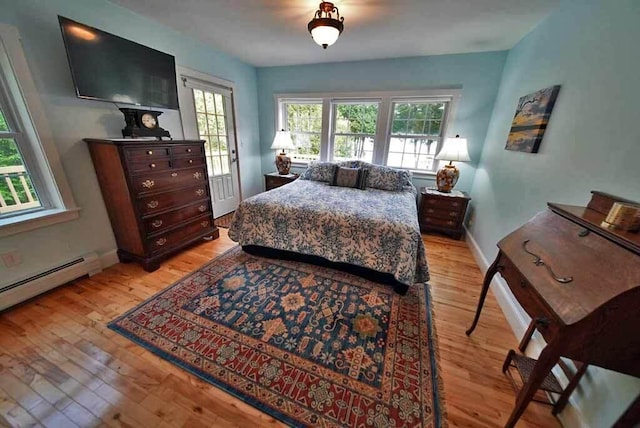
(109, 68)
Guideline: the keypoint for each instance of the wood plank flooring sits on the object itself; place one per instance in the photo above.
(61, 367)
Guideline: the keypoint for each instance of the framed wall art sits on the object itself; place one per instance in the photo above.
(530, 120)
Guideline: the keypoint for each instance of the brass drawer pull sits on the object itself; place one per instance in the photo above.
(190, 160)
(188, 150)
(148, 184)
(153, 165)
(153, 204)
(197, 175)
(160, 242)
(202, 208)
(149, 152)
(174, 174)
(431, 210)
(539, 262)
(455, 204)
(453, 213)
(204, 224)
(200, 192)
(156, 223)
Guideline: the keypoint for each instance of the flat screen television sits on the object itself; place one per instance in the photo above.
(109, 68)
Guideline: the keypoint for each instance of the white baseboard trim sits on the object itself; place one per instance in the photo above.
(518, 319)
(109, 258)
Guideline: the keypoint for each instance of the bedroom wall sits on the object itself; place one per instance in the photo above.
(592, 142)
(478, 75)
(72, 119)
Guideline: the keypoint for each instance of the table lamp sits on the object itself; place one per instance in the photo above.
(454, 149)
(282, 141)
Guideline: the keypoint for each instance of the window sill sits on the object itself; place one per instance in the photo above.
(424, 175)
(36, 220)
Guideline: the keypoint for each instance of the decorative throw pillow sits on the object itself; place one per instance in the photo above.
(349, 177)
(386, 178)
(319, 171)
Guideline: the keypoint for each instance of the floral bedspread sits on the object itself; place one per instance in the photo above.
(372, 228)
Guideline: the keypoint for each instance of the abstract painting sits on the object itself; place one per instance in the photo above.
(530, 120)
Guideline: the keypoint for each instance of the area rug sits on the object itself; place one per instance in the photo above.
(310, 346)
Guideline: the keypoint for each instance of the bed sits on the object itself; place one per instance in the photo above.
(368, 228)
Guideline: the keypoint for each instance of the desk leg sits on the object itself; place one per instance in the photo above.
(493, 269)
(548, 358)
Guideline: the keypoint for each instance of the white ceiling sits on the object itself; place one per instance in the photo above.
(274, 32)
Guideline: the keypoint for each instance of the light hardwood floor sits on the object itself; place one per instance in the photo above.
(60, 366)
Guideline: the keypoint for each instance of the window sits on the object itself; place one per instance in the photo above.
(211, 121)
(354, 130)
(403, 129)
(303, 119)
(416, 133)
(16, 188)
(33, 189)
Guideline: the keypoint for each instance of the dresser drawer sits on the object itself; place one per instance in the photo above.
(172, 218)
(143, 154)
(151, 165)
(445, 203)
(439, 222)
(546, 323)
(188, 150)
(438, 212)
(188, 161)
(149, 205)
(168, 180)
(168, 240)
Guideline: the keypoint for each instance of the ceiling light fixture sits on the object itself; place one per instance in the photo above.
(324, 28)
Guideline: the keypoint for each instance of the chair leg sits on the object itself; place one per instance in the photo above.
(573, 382)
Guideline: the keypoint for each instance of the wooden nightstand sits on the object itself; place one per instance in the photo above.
(273, 180)
(443, 212)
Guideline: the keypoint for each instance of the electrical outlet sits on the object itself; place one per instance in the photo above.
(11, 258)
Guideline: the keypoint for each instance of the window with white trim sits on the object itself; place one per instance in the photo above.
(33, 189)
(303, 119)
(354, 130)
(416, 134)
(403, 129)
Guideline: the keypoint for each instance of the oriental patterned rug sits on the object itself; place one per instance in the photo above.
(310, 346)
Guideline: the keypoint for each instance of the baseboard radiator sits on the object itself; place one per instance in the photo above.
(27, 288)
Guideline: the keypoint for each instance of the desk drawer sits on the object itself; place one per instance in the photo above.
(188, 161)
(169, 180)
(546, 322)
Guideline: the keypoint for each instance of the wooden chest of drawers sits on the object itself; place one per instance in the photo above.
(273, 180)
(443, 212)
(156, 194)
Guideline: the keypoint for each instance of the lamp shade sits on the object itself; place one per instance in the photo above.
(325, 35)
(454, 149)
(282, 141)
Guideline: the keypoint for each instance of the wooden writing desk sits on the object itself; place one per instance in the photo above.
(580, 283)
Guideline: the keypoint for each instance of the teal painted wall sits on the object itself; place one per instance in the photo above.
(477, 74)
(590, 47)
(72, 119)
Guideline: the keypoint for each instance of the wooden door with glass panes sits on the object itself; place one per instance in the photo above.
(212, 108)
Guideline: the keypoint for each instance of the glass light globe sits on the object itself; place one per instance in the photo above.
(324, 35)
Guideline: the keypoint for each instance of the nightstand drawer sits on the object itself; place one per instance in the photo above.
(439, 222)
(273, 180)
(445, 203)
(446, 214)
